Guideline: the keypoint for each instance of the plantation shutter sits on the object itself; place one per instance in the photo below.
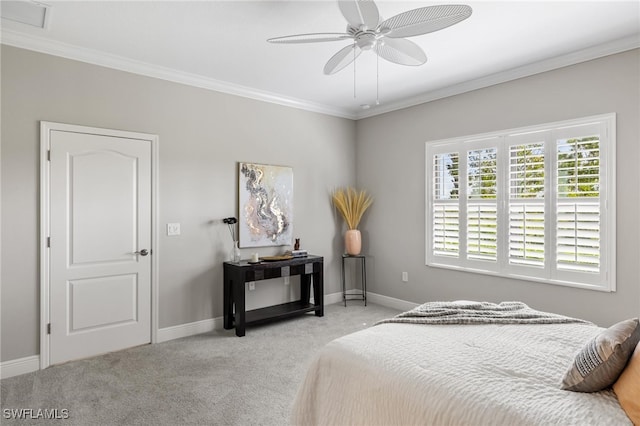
(526, 202)
(482, 207)
(578, 200)
(445, 205)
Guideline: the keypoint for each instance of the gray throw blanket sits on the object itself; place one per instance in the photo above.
(468, 312)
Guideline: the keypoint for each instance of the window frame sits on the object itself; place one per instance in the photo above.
(551, 134)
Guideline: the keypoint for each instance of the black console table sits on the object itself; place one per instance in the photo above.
(236, 274)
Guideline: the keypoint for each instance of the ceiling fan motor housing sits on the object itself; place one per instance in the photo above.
(366, 40)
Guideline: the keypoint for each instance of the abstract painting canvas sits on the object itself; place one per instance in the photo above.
(266, 205)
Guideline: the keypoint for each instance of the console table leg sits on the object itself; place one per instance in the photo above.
(318, 293)
(238, 299)
(228, 305)
(305, 288)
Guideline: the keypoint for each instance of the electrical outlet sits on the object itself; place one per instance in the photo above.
(173, 229)
(405, 277)
(252, 285)
(286, 280)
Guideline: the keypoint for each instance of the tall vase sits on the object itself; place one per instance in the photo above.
(235, 252)
(353, 242)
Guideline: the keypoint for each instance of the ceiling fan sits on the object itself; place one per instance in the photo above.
(386, 38)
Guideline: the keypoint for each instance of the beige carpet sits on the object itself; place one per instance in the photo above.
(210, 379)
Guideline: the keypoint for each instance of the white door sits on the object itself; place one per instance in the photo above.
(100, 243)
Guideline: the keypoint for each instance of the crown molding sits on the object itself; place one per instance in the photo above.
(39, 44)
(594, 52)
(42, 45)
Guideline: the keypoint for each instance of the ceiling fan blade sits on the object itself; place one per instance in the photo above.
(360, 12)
(425, 20)
(401, 51)
(341, 59)
(311, 38)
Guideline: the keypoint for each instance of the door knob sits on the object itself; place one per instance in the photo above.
(142, 252)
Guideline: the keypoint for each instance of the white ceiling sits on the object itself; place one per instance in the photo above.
(222, 45)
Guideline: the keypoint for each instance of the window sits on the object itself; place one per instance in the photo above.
(534, 203)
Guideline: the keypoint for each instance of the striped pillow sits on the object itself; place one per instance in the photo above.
(599, 363)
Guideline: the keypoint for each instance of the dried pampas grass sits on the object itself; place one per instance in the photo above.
(351, 204)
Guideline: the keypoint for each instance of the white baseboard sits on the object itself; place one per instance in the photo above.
(190, 329)
(389, 302)
(330, 299)
(19, 366)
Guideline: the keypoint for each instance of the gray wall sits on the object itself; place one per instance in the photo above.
(391, 162)
(203, 134)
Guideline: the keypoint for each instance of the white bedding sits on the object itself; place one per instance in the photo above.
(414, 374)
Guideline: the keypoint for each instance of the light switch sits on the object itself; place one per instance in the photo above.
(173, 229)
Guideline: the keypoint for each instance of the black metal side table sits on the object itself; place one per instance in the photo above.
(363, 264)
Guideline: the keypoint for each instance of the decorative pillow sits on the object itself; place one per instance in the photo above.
(600, 362)
(627, 388)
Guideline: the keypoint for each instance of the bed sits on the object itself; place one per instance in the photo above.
(457, 374)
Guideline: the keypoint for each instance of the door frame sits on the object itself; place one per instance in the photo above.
(45, 142)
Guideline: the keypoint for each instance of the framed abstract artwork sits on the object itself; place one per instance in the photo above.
(265, 194)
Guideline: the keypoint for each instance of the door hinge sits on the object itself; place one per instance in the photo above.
(48, 241)
(49, 155)
(49, 328)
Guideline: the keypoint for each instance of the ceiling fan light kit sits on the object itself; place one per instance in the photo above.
(387, 38)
